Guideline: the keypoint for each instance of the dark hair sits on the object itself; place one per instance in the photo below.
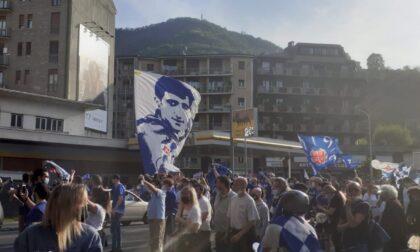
(25, 178)
(96, 179)
(199, 186)
(173, 86)
(224, 180)
(39, 173)
(77, 180)
(101, 197)
(116, 176)
(301, 187)
(42, 191)
(169, 182)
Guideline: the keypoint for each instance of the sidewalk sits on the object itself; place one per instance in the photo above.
(9, 225)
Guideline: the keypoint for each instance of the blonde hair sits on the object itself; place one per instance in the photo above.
(192, 194)
(63, 213)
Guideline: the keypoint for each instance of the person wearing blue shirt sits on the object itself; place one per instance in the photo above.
(171, 207)
(118, 208)
(35, 214)
(156, 214)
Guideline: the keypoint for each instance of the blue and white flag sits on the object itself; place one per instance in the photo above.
(401, 172)
(349, 162)
(296, 234)
(165, 109)
(221, 170)
(56, 172)
(321, 151)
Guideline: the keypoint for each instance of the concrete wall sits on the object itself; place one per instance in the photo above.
(74, 118)
(40, 36)
(247, 76)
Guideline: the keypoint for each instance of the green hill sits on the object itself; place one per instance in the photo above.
(199, 36)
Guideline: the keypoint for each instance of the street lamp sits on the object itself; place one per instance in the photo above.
(370, 140)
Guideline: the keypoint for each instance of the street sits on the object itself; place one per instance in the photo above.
(135, 237)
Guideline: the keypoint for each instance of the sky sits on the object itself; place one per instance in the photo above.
(362, 27)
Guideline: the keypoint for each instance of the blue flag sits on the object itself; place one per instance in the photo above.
(321, 151)
(349, 162)
(211, 178)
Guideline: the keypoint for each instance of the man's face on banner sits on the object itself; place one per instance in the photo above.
(176, 111)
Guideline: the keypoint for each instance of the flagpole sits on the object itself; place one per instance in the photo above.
(289, 164)
(232, 143)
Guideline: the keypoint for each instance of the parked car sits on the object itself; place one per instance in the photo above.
(135, 209)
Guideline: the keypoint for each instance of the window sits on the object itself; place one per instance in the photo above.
(55, 2)
(279, 84)
(53, 52)
(19, 49)
(28, 48)
(55, 23)
(49, 124)
(241, 65)
(16, 121)
(21, 21)
(3, 26)
(18, 77)
(1, 79)
(52, 80)
(266, 65)
(241, 83)
(279, 101)
(150, 67)
(27, 77)
(241, 102)
(29, 21)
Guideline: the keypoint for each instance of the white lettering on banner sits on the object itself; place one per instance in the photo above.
(96, 120)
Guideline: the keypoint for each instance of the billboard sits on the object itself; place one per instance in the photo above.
(93, 67)
(96, 120)
(242, 119)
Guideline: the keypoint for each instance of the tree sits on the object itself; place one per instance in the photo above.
(392, 134)
(375, 61)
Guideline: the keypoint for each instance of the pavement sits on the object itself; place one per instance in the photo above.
(135, 237)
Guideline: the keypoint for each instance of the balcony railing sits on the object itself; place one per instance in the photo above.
(220, 70)
(223, 88)
(308, 91)
(4, 60)
(5, 33)
(5, 5)
(215, 108)
(53, 58)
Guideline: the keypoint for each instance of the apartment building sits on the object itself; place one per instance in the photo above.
(56, 74)
(311, 89)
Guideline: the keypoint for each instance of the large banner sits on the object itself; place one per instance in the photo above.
(243, 119)
(93, 67)
(165, 110)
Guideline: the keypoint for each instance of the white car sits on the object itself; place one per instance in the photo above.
(135, 209)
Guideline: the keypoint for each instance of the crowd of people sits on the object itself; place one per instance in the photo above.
(317, 214)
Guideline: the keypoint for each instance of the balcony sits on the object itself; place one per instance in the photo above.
(5, 33)
(5, 6)
(271, 90)
(4, 60)
(215, 108)
(172, 70)
(217, 88)
(262, 70)
(220, 71)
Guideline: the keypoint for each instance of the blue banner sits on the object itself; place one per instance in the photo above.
(165, 109)
(321, 151)
(221, 170)
(349, 162)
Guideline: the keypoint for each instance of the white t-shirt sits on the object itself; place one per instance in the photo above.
(371, 199)
(271, 237)
(205, 207)
(96, 220)
(193, 215)
(241, 211)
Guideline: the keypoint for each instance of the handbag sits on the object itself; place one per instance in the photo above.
(378, 237)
